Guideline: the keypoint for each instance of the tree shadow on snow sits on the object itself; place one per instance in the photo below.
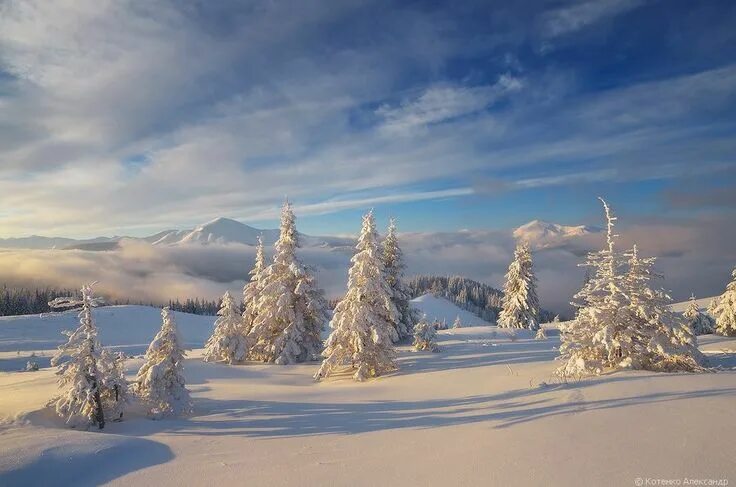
(89, 464)
(275, 419)
(469, 352)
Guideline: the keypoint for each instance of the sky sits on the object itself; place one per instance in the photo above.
(124, 117)
(464, 120)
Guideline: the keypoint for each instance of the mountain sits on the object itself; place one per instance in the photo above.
(222, 230)
(38, 242)
(218, 231)
(541, 234)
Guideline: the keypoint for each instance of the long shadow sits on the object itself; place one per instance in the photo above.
(470, 352)
(88, 464)
(275, 419)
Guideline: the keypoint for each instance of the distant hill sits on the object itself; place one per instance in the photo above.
(440, 309)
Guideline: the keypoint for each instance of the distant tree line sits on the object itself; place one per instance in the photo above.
(28, 301)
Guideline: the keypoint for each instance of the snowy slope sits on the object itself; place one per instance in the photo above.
(128, 328)
(436, 422)
(440, 309)
(225, 230)
(702, 303)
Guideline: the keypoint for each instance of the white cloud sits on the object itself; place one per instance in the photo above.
(570, 19)
(440, 103)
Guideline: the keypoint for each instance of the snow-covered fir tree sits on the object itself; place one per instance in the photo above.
(712, 305)
(725, 310)
(520, 308)
(291, 310)
(621, 321)
(393, 263)
(228, 341)
(160, 382)
(669, 341)
(114, 391)
(251, 291)
(700, 323)
(79, 378)
(541, 334)
(362, 324)
(457, 323)
(425, 335)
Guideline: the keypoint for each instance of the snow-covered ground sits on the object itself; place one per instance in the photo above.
(486, 410)
(126, 328)
(440, 309)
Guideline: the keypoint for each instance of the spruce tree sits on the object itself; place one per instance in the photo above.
(362, 325)
(725, 311)
(622, 322)
(699, 322)
(114, 391)
(79, 378)
(393, 262)
(457, 323)
(228, 341)
(669, 343)
(291, 310)
(251, 291)
(520, 308)
(424, 336)
(160, 381)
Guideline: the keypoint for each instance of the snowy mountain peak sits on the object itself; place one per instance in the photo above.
(543, 234)
(227, 230)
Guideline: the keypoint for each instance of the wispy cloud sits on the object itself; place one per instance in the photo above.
(441, 103)
(227, 108)
(570, 19)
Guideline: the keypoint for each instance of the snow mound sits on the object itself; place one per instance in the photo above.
(46, 457)
(440, 309)
(542, 234)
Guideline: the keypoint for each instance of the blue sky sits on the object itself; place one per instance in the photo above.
(123, 117)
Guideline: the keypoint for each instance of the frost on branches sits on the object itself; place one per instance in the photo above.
(520, 308)
(160, 381)
(227, 343)
(291, 310)
(424, 336)
(251, 291)
(362, 325)
(700, 323)
(541, 334)
(393, 263)
(79, 378)
(622, 322)
(114, 391)
(725, 310)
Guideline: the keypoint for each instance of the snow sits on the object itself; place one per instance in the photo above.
(485, 410)
(221, 230)
(541, 234)
(126, 328)
(440, 309)
(702, 304)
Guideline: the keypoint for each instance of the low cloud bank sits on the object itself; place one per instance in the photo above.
(693, 257)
